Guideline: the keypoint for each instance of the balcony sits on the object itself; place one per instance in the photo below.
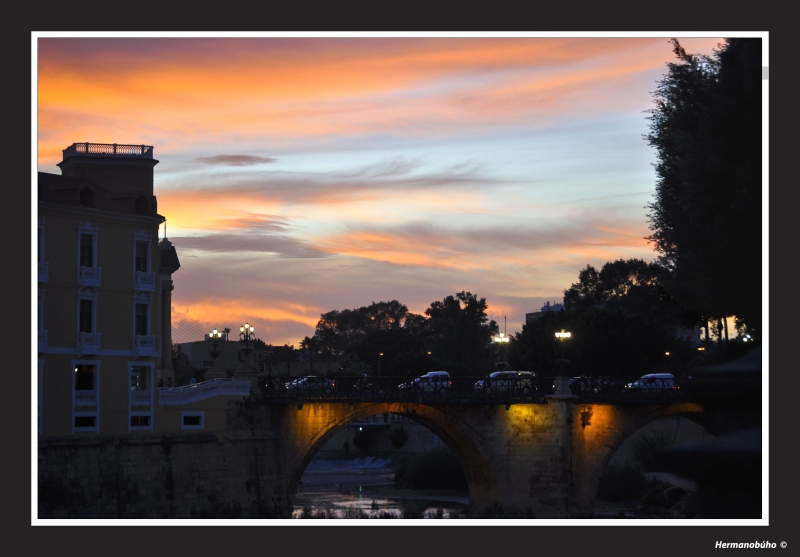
(140, 398)
(85, 398)
(89, 276)
(42, 340)
(145, 346)
(89, 343)
(145, 282)
(43, 275)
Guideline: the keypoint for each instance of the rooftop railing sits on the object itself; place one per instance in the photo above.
(114, 149)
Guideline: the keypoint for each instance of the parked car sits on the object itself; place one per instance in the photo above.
(432, 382)
(652, 383)
(312, 385)
(507, 381)
(367, 385)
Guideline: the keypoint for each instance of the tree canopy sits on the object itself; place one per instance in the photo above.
(454, 335)
(706, 214)
(622, 322)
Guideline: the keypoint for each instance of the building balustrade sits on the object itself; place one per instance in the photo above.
(140, 398)
(145, 345)
(42, 339)
(89, 343)
(145, 282)
(43, 271)
(86, 397)
(116, 149)
(89, 276)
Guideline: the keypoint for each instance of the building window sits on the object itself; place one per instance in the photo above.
(139, 378)
(142, 259)
(87, 250)
(84, 377)
(41, 243)
(192, 420)
(41, 379)
(141, 320)
(85, 316)
(85, 422)
(140, 421)
(86, 387)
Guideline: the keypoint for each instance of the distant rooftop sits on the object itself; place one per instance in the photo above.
(113, 149)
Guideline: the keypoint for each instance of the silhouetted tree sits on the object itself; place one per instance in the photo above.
(706, 215)
(460, 334)
(311, 346)
(622, 323)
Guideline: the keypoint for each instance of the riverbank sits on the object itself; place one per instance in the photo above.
(365, 486)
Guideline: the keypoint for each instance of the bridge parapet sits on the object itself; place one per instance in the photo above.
(461, 390)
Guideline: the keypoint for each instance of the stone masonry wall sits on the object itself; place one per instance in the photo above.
(177, 476)
(543, 458)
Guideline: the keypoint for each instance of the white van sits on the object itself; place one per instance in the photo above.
(652, 383)
(433, 381)
(505, 381)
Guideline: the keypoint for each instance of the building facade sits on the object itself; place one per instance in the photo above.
(104, 290)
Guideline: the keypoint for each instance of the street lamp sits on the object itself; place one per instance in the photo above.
(379, 363)
(502, 339)
(562, 336)
(214, 336)
(246, 334)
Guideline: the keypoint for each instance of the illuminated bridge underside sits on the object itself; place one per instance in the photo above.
(545, 456)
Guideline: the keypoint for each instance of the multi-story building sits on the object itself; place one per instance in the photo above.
(104, 288)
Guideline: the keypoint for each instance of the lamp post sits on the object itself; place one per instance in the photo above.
(502, 339)
(246, 334)
(214, 336)
(563, 383)
(380, 354)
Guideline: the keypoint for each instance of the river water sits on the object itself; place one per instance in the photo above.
(363, 488)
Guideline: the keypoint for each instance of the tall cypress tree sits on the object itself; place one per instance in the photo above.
(706, 215)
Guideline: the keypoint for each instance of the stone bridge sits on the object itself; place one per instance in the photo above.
(547, 456)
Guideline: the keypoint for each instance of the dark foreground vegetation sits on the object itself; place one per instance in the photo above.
(647, 498)
(435, 469)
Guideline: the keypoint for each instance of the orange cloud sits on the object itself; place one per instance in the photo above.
(203, 89)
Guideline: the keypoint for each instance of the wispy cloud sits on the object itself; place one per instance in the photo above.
(234, 160)
(283, 246)
(300, 175)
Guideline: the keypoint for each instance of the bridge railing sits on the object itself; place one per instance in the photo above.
(465, 390)
(202, 390)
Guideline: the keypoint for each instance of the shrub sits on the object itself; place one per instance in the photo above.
(412, 509)
(437, 468)
(621, 483)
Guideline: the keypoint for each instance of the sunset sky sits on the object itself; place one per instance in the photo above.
(302, 175)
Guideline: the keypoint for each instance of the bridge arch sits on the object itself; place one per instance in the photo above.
(470, 449)
(627, 421)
